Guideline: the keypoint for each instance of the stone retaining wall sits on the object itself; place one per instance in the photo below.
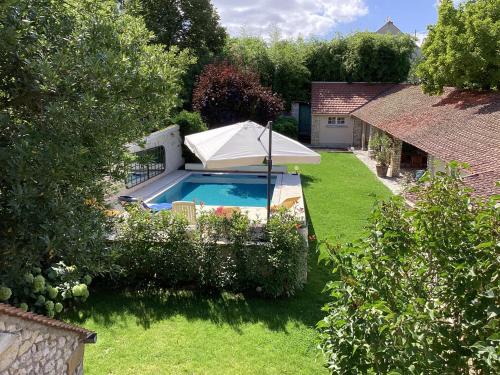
(32, 348)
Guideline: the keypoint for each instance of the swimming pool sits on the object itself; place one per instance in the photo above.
(214, 189)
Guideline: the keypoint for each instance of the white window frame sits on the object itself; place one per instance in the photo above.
(336, 122)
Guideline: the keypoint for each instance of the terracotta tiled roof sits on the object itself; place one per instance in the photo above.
(86, 335)
(340, 98)
(459, 125)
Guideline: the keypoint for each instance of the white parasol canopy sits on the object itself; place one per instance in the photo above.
(245, 143)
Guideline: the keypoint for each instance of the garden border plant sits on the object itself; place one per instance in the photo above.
(419, 294)
(220, 253)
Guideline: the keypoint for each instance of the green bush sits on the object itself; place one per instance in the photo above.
(287, 126)
(420, 293)
(78, 81)
(189, 123)
(220, 253)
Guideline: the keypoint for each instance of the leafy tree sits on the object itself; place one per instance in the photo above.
(251, 53)
(291, 76)
(288, 66)
(225, 94)
(78, 80)
(325, 60)
(372, 57)
(187, 24)
(461, 50)
(419, 294)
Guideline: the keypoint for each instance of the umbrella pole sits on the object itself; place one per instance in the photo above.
(269, 168)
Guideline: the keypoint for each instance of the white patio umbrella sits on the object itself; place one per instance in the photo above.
(242, 144)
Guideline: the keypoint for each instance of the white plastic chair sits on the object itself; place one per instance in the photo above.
(186, 209)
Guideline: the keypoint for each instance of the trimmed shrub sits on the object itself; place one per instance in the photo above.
(220, 253)
(287, 126)
(419, 294)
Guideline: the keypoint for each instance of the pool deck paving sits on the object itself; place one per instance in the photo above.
(289, 185)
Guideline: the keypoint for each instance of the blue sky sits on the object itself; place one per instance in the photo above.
(409, 16)
(323, 18)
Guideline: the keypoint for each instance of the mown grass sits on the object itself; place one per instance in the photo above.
(184, 332)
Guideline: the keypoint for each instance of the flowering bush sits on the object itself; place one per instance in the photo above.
(420, 293)
(222, 252)
(47, 291)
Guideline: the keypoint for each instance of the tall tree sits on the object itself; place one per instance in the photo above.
(462, 49)
(78, 80)
(187, 24)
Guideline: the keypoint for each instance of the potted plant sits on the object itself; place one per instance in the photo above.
(381, 145)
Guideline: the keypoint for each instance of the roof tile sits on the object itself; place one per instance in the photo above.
(342, 98)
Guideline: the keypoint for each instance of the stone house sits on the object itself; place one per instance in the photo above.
(427, 131)
(35, 344)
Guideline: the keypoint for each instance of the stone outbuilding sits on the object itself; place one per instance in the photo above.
(427, 131)
(35, 344)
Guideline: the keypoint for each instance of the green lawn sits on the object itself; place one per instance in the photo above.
(188, 333)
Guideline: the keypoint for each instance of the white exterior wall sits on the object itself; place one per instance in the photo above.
(171, 140)
(333, 136)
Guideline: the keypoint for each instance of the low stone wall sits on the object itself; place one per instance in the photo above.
(31, 348)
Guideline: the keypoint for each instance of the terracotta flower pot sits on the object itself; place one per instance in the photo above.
(382, 170)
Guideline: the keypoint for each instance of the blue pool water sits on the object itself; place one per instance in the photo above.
(219, 190)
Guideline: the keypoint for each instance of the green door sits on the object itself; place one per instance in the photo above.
(305, 122)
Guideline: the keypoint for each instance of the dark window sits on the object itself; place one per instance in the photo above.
(149, 163)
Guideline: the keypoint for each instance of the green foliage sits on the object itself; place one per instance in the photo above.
(220, 253)
(461, 50)
(419, 294)
(251, 53)
(189, 123)
(78, 81)
(5, 293)
(290, 76)
(287, 125)
(288, 66)
(190, 25)
(325, 60)
(225, 94)
(372, 57)
(48, 291)
(381, 146)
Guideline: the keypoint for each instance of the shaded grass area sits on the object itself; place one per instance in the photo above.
(186, 332)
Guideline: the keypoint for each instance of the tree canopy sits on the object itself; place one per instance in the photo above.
(225, 94)
(192, 24)
(78, 81)
(462, 49)
(187, 24)
(288, 66)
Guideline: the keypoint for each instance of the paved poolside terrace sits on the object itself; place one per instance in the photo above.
(287, 186)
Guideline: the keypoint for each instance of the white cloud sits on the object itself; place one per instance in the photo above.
(420, 37)
(292, 17)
